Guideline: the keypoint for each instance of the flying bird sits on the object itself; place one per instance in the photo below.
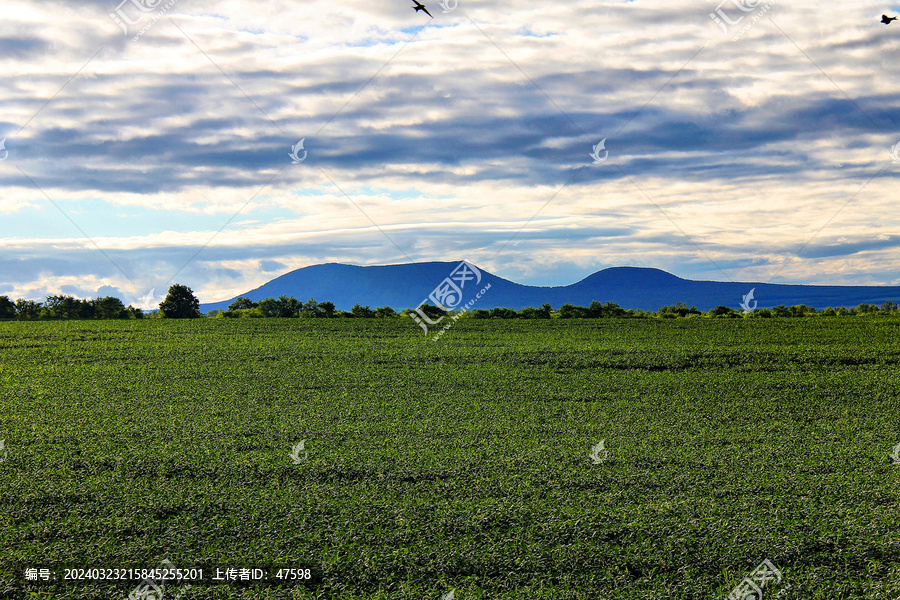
(887, 20)
(419, 6)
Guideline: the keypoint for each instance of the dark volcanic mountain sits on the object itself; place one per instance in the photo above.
(403, 286)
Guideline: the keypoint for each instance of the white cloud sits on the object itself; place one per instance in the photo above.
(452, 146)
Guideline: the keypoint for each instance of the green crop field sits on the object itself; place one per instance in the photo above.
(458, 468)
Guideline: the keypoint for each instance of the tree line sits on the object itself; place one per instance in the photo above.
(181, 303)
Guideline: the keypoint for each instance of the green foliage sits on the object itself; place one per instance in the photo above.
(268, 307)
(528, 312)
(283, 307)
(570, 311)
(780, 311)
(180, 303)
(110, 308)
(28, 309)
(431, 311)
(289, 307)
(7, 308)
(721, 311)
(326, 309)
(62, 307)
(385, 312)
(310, 309)
(457, 464)
(363, 312)
(543, 311)
(801, 310)
(503, 313)
(679, 309)
(242, 303)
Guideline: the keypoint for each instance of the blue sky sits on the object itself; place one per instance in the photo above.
(761, 152)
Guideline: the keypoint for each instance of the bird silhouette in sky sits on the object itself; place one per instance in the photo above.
(887, 20)
(419, 6)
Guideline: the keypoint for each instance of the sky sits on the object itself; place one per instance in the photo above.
(152, 142)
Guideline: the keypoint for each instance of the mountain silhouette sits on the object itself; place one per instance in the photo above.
(406, 285)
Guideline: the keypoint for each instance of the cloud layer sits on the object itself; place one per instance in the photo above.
(162, 155)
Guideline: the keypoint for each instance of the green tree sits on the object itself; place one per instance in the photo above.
(570, 311)
(383, 312)
(780, 311)
(62, 307)
(721, 311)
(310, 309)
(287, 306)
(679, 309)
(180, 303)
(7, 308)
(109, 308)
(268, 307)
(363, 312)
(801, 310)
(595, 310)
(431, 311)
(612, 309)
(526, 313)
(543, 312)
(87, 309)
(241, 303)
(327, 309)
(28, 309)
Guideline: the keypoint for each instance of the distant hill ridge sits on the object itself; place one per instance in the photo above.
(406, 285)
